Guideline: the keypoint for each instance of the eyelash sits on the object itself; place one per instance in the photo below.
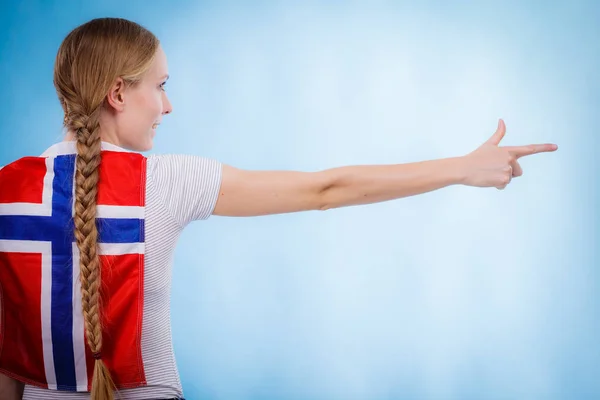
(162, 86)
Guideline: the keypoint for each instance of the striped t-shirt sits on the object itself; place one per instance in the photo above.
(179, 189)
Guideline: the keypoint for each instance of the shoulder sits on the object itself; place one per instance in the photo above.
(25, 166)
(188, 185)
(180, 163)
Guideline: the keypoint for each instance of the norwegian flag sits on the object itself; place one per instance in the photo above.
(42, 338)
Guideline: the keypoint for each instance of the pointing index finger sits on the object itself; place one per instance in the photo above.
(521, 151)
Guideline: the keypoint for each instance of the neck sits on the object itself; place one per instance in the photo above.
(70, 137)
(107, 129)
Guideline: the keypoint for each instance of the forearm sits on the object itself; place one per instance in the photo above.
(365, 184)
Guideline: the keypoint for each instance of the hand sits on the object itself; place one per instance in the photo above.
(494, 166)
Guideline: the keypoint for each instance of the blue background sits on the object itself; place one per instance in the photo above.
(462, 293)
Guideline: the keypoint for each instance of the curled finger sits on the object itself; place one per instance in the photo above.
(516, 169)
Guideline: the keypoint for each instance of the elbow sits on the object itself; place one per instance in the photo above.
(11, 388)
(324, 207)
(324, 196)
(323, 202)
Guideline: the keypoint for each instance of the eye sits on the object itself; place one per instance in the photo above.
(162, 86)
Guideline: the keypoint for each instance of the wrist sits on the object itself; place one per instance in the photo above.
(458, 170)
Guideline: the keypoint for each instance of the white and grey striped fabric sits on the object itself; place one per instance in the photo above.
(179, 189)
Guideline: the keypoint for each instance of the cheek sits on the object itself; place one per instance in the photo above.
(156, 105)
(151, 105)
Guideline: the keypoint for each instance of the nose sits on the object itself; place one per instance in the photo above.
(167, 107)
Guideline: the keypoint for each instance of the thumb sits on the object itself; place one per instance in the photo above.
(499, 134)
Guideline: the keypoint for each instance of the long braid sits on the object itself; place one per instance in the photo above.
(87, 132)
(90, 60)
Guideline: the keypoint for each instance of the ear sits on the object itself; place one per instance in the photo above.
(116, 95)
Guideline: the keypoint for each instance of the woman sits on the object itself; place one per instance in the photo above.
(87, 230)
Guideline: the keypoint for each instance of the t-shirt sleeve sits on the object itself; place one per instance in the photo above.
(188, 185)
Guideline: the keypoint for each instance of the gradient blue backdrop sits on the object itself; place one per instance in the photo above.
(461, 293)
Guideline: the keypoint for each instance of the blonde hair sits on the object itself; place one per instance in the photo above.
(89, 61)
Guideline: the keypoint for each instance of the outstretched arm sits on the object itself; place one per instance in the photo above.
(253, 193)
